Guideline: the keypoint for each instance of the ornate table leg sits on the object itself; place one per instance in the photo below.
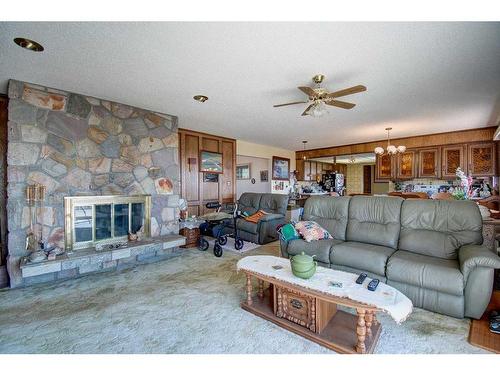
(368, 320)
(361, 331)
(249, 289)
(261, 288)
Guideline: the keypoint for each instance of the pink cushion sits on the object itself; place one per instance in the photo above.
(312, 231)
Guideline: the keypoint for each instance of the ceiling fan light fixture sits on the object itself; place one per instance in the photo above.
(318, 109)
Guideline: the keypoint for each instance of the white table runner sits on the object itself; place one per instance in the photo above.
(385, 297)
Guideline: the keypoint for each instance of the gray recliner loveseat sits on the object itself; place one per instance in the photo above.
(430, 250)
(265, 230)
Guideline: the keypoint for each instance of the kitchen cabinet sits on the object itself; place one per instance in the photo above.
(429, 164)
(299, 167)
(406, 165)
(482, 159)
(307, 171)
(453, 157)
(384, 168)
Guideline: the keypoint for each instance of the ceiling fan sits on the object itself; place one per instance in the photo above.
(319, 96)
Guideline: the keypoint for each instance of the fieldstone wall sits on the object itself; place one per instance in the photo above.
(81, 145)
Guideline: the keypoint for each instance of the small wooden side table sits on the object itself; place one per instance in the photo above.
(191, 230)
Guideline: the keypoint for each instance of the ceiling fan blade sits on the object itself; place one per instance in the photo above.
(281, 105)
(308, 91)
(341, 104)
(307, 109)
(349, 91)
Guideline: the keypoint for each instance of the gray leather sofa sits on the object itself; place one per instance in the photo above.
(265, 230)
(430, 250)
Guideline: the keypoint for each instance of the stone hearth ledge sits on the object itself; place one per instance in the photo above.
(90, 260)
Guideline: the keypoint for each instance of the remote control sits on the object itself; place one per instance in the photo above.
(372, 285)
(361, 278)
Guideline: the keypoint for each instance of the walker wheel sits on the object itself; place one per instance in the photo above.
(222, 240)
(218, 250)
(238, 244)
(203, 246)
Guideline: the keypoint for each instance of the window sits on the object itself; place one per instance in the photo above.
(90, 219)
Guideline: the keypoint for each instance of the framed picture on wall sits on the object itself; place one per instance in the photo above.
(211, 162)
(281, 168)
(210, 177)
(264, 176)
(243, 172)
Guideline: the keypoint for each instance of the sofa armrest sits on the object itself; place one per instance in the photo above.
(271, 217)
(472, 256)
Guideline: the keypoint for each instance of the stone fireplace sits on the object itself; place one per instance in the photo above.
(81, 146)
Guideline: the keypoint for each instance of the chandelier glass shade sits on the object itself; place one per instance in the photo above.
(390, 149)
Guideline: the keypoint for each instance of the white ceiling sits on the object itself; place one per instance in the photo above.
(366, 158)
(421, 77)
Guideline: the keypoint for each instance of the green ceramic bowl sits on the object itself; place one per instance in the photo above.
(303, 265)
(307, 274)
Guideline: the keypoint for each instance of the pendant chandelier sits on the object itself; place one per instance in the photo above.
(390, 149)
(304, 149)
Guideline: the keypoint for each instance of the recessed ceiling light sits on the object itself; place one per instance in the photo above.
(29, 44)
(200, 98)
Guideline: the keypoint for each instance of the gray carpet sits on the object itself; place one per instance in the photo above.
(187, 304)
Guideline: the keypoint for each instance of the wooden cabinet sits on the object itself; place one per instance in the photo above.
(194, 188)
(482, 159)
(384, 168)
(429, 164)
(406, 165)
(299, 167)
(307, 171)
(452, 157)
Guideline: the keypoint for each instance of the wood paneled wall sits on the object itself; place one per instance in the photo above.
(193, 188)
(440, 139)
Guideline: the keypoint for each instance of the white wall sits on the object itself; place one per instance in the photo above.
(256, 165)
(244, 148)
(262, 151)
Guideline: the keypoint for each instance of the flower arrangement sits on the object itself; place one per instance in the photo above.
(464, 191)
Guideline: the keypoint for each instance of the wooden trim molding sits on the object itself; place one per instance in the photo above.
(428, 140)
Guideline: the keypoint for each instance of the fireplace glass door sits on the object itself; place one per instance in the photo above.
(104, 218)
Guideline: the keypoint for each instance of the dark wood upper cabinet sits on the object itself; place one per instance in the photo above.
(406, 165)
(452, 157)
(384, 168)
(429, 164)
(482, 159)
(299, 167)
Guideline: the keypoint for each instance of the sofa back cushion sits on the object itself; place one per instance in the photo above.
(329, 212)
(439, 227)
(374, 220)
(249, 202)
(274, 203)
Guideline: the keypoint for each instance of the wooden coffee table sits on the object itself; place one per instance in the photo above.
(310, 312)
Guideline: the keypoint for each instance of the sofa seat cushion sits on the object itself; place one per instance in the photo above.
(247, 226)
(362, 256)
(319, 248)
(442, 275)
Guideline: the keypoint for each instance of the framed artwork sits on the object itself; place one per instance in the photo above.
(210, 177)
(243, 172)
(264, 176)
(211, 162)
(281, 168)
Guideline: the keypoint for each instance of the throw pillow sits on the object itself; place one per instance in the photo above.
(288, 232)
(312, 231)
(256, 216)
